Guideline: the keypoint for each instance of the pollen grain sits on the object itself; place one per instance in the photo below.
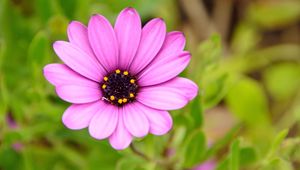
(132, 81)
(120, 101)
(112, 98)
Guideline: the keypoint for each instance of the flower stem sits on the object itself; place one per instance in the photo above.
(139, 153)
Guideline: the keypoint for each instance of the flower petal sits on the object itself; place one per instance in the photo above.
(79, 61)
(188, 88)
(78, 116)
(60, 74)
(153, 36)
(78, 35)
(135, 121)
(160, 121)
(128, 31)
(163, 96)
(169, 62)
(78, 93)
(163, 71)
(103, 41)
(121, 138)
(104, 122)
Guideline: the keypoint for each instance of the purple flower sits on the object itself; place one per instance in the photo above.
(17, 146)
(11, 121)
(121, 80)
(208, 165)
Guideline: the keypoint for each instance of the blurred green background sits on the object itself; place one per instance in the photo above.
(246, 61)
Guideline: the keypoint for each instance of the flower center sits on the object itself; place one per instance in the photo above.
(119, 88)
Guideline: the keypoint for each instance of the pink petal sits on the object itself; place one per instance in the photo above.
(79, 61)
(78, 116)
(78, 93)
(103, 41)
(104, 123)
(60, 74)
(121, 138)
(168, 63)
(78, 35)
(189, 89)
(163, 97)
(135, 121)
(163, 71)
(128, 31)
(153, 36)
(160, 121)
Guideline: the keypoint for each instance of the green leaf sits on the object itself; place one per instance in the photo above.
(38, 56)
(69, 7)
(282, 80)
(274, 14)
(277, 141)
(234, 155)
(44, 9)
(278, 164)
(215, 87)
(102, 156)
(209, 52)
(196, 112)
(195, 149)
(57, 26)
(247, 101)
(10, 159)
(130, 162)
(38, 48)
(11, 137)
(4, 97)
(247, 156)
(223, 165)
(82, 12)
(245, 39)
(179, 136)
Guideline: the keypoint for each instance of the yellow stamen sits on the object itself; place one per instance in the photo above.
(103, 86)
(118, 71)
(125, 73)
(131, 95)
(120, 101)
(132, 81)
(105, 78)
(112, 97)
(124, 100)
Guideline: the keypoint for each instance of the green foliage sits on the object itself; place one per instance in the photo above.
(234, 155)
(282, 80)
(130, 163)
(9, 157)
(196, 112)
(223, 142)
(247, 156)
(276, 143)
(247, 98)
(249, 89)
(210, 51)
(275, 14)
(195, 148)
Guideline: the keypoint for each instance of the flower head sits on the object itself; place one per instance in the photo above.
(121, 80)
